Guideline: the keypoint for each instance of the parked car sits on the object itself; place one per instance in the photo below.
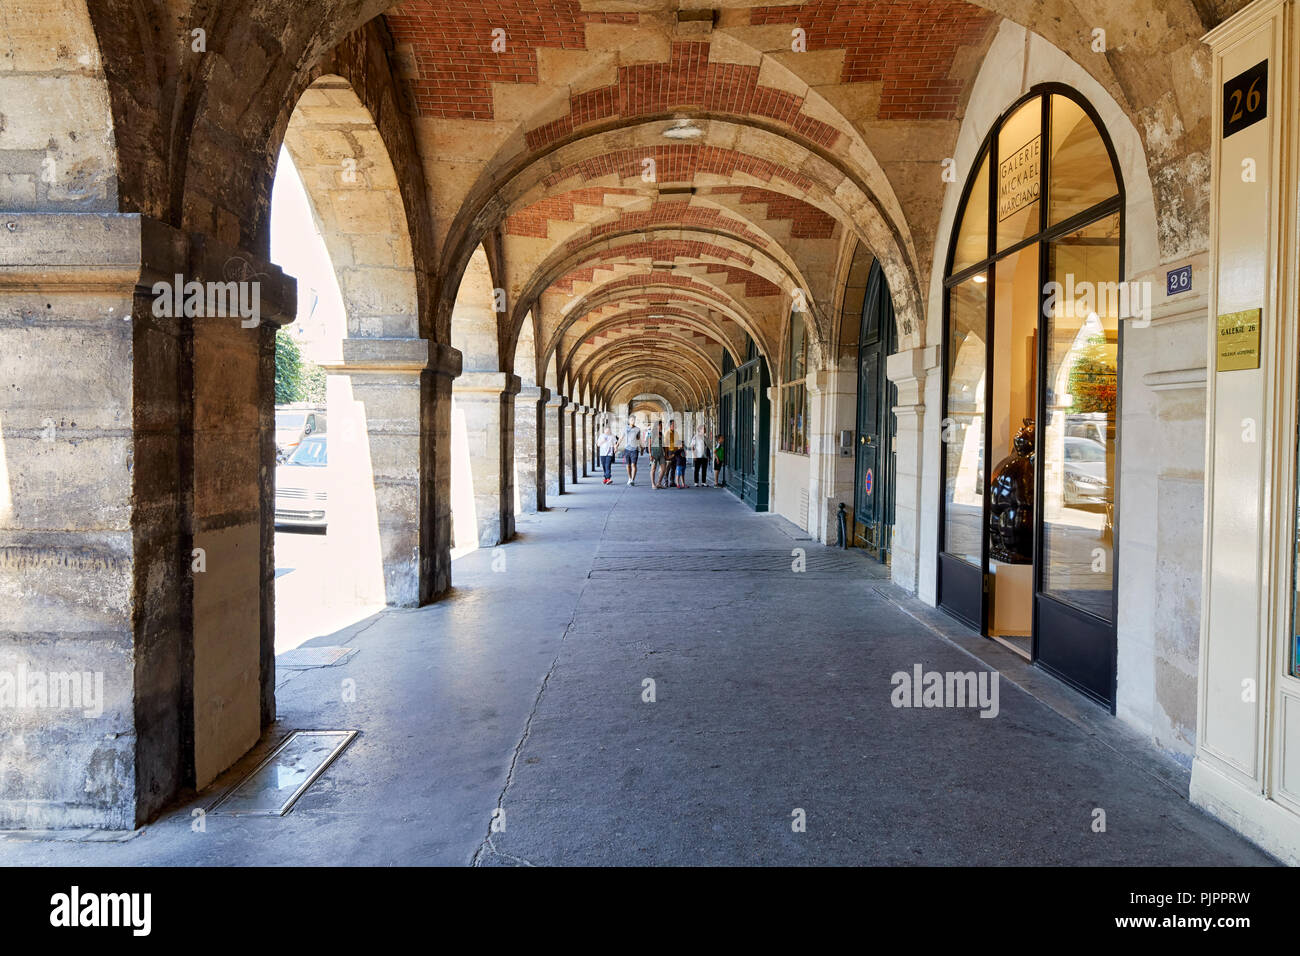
(1085, 474)
(301, 496)
(292, 425)
(1086, 425)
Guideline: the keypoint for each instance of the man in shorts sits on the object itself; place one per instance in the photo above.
(631, 443)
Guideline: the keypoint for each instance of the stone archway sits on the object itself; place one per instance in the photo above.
(483, 411)
(373, 398)
(530, 424)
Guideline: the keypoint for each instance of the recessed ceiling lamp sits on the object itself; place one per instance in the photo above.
(683, 129)
(981, 278)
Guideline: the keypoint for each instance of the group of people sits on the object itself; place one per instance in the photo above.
(668, 455)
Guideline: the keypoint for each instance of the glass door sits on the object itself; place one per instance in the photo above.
(1079, 461)
(964, 437)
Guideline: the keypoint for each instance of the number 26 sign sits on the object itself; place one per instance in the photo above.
(1245, 99)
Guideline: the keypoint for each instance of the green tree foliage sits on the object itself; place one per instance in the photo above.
(288, 368)
(313, 383)
(296, 378)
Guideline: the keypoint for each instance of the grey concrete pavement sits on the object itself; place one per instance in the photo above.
(524, 690)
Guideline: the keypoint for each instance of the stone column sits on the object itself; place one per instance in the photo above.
(488, 402)
(554, 439)
(571, 441)
(136, 541)
(374, 494)
(435, 470)
(908, 371)
(530, 447)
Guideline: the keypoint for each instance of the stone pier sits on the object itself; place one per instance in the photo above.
(488, 402)
(554, 440)
(530, 447)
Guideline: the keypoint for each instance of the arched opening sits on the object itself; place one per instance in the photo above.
(1031, 353)
(347, 423)
(746, 427)
(875, 423)
(482, 415)
(530, 423)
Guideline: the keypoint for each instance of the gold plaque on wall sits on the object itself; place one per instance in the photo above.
(1238, 341)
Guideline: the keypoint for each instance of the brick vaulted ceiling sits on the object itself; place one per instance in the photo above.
(542, 125)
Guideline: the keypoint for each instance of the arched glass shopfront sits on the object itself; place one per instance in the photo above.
(1030, 447)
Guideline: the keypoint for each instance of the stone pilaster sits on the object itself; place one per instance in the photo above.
(488, 402)
(530, 451)
(908, 370)
(554, 439)
(832, 405)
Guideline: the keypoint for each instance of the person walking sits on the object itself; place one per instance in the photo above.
(700, 458)
(631, 442)
(657, 470)
(605, 447)
(719, 460)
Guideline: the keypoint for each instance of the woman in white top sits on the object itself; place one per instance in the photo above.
(700, 454)
(605, 445)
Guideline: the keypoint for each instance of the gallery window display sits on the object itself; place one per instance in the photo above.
(1031, 357)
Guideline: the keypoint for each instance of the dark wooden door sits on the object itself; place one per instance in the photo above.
(873, 501)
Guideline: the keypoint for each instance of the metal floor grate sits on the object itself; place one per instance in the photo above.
(275, 784)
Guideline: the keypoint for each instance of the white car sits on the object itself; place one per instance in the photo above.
(1085, 474)
(292, 425)
(300, 486)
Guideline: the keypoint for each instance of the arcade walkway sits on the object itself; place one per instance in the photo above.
(524, 689)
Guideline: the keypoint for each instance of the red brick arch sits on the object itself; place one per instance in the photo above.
(676, 317)
(603, 297)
